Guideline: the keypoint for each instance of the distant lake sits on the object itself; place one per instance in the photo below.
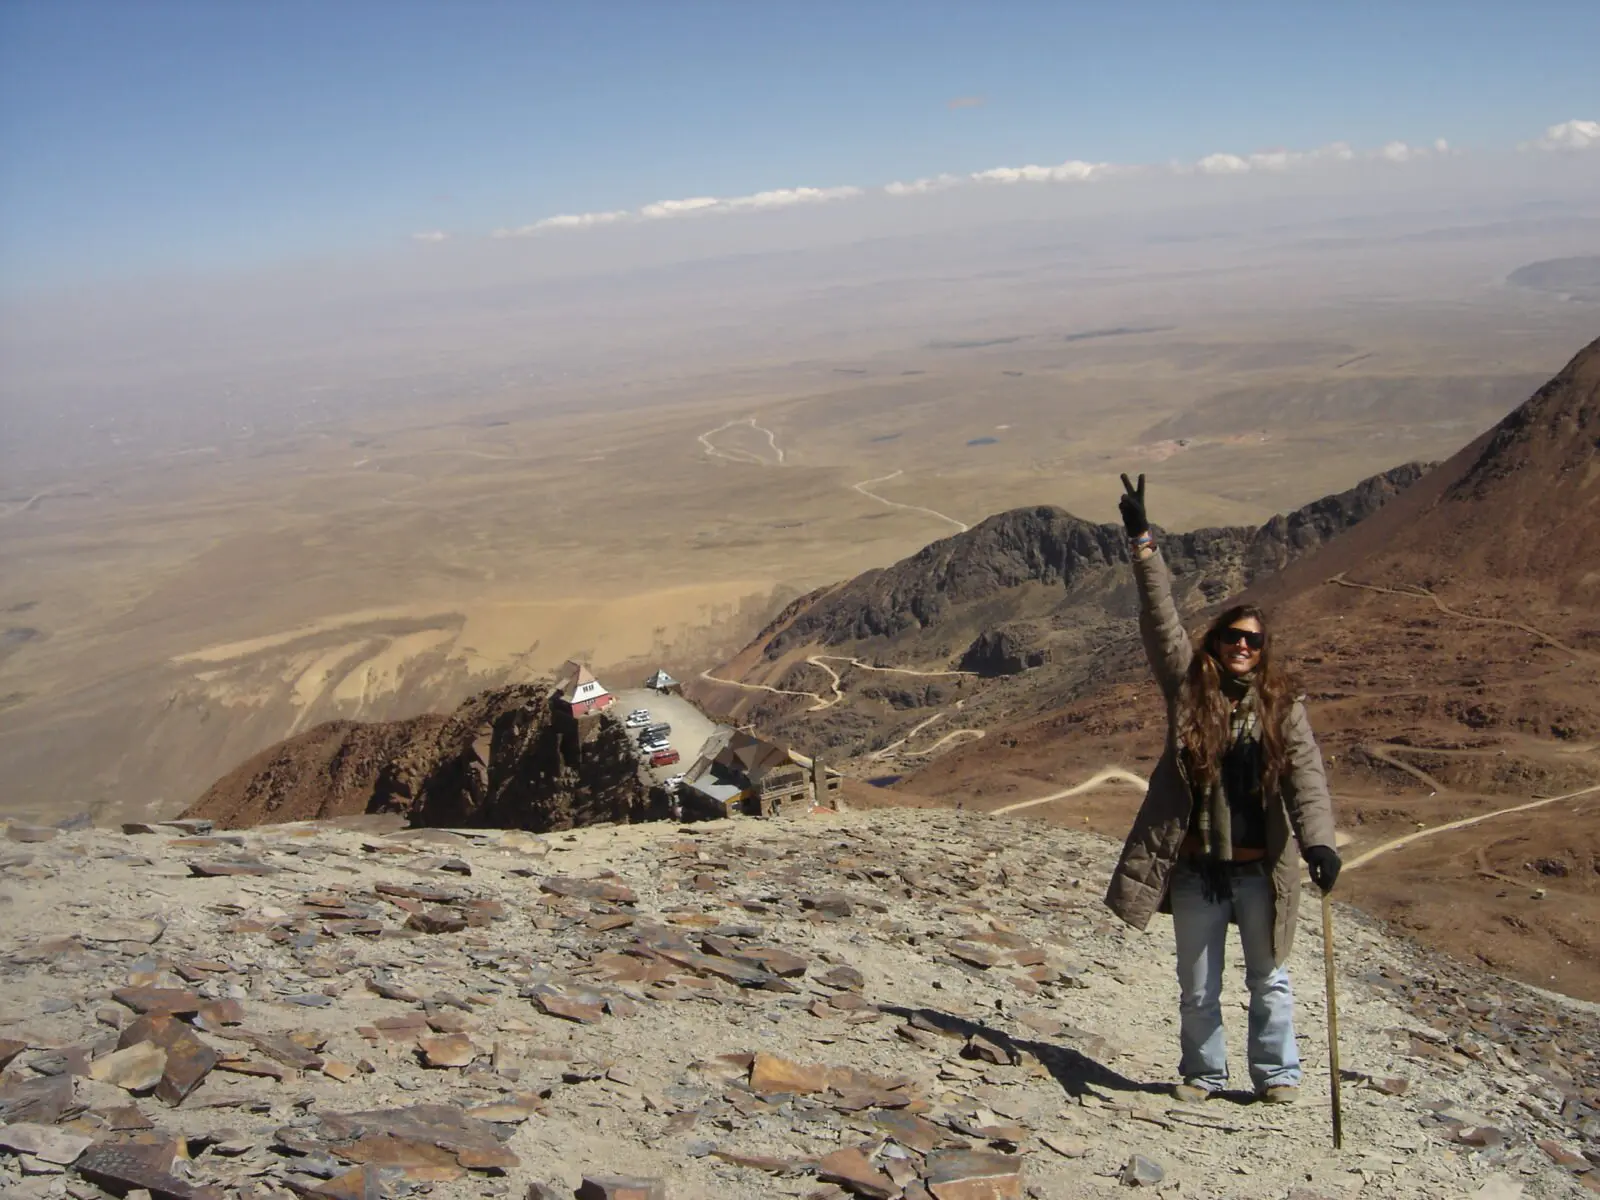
(983, 441)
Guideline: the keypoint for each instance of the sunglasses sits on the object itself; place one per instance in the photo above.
(1233, 636)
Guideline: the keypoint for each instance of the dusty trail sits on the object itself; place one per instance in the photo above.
(1386, 753)
(1422, 593)
(820, 702)
(821, 661)
(975, 734)
(1362, 859)
(892, 749)
(742, 456)
(1104, 775)
(888, 750)
(863, 486)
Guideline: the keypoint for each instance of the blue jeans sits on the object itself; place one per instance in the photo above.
(1201, 929)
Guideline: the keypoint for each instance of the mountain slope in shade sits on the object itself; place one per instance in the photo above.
(1450, 649)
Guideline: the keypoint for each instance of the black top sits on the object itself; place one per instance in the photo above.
(1241, 784)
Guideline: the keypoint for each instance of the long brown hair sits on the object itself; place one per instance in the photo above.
(1204, 710)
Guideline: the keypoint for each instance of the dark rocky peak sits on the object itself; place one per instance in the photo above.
(1051, 547)
(1555, 432)
(1042, 544)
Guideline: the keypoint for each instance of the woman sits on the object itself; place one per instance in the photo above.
(1240, 773)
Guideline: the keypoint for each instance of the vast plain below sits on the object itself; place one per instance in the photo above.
(643, 470)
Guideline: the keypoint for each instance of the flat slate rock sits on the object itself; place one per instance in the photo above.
(974, 1175)
(120, 1167)
(470, 1142)
(134, 1069)
(451, 1050)
(571, 1010)
(621, 1187)
(49, 1142)
(588, 889)
(853, 1170)
(169, 1001)
(235, 866)
(44, 1101)
(437, 920)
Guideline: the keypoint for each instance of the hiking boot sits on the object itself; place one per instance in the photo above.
(1191, 1093)
(1285, 1093)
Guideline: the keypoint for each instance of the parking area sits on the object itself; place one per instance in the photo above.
(690, 727)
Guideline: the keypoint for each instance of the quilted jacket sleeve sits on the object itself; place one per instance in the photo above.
(1166, 641)
(1305, 791)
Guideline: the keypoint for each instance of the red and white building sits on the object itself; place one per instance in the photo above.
(581, 692)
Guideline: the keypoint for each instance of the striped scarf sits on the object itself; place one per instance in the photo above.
(1213, 818)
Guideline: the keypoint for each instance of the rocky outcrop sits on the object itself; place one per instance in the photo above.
(995, 572)
(506, 757)
(1287, 537)
(1008, 649)
(510, 759)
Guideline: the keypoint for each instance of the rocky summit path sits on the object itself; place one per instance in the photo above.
(902, 1003)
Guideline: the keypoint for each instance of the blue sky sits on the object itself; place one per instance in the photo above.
(142, 135)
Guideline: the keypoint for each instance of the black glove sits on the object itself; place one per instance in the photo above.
(1132, 506)
(1324, 863)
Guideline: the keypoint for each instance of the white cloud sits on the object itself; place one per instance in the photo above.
(1067, 172)
(433, 235)
(755, 202)
(691, 206)
(1274, 161)
(1222, 164)
(563, 221)
(579, 220)
(917, 187)
(1569, 135)
(677, 208)
(784, 197)
(1573, 134)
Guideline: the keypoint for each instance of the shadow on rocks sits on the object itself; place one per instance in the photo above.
(1074, 1070)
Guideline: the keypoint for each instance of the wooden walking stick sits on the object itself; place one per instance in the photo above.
(1333, 1019)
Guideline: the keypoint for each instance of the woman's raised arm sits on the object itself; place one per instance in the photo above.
(1166, 641)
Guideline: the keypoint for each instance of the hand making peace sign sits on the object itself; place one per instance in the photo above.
(1132, 506)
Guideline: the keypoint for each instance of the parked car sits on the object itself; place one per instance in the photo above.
(672, 782)
(637, 718)
(664, 758)
(660, 727)
(651, 744)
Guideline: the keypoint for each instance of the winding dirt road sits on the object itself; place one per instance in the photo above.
(742, 456)
(1104, 775)
(821, 660)
(1418, 592)
(863, 486)
(1386, 752)
(1363, 859)
(892, 750)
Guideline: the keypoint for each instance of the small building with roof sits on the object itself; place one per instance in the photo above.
(740, 772)
(663, 683)
(580, 691)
